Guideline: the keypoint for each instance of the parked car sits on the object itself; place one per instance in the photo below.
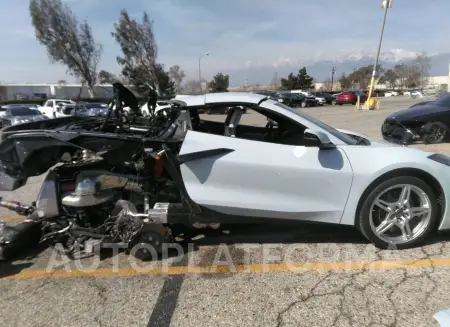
(319, 100)
(329, 99)
(427, 121)
(350, 97)
(414, 93)
(390, 94)
(50, 107)
(18, 115)
(294, 99)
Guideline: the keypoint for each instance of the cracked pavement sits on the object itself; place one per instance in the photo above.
(327, 293)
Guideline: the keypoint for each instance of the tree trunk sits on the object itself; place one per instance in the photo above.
(91, 91)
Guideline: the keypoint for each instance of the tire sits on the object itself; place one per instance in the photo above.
(369, 212)
(434, 133)
(303, 104)
(333, 103)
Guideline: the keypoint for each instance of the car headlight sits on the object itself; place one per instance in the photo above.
(440, 158)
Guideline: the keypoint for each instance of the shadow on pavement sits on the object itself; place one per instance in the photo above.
(10, 268)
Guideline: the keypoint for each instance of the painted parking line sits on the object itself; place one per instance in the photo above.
(253, 268)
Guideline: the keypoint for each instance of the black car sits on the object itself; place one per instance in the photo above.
(330, 99)
(428, 121)
(294, 99)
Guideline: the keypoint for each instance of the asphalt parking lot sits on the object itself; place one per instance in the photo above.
(267, 276)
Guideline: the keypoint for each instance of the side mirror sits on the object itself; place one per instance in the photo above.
(324, 141)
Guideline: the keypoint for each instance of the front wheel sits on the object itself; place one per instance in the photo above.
(398, 213)
(434, 133)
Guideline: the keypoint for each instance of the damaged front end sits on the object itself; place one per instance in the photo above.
(401, 133)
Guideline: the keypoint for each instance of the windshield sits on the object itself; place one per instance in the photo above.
(24, 111)
(62, 102)
(341, 136)
(443, 101)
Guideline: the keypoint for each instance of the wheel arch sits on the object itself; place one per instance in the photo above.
(419, 173)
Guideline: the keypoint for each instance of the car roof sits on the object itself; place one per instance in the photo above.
(225, 97)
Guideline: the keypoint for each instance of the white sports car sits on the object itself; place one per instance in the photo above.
(302, 169)
(294, 168)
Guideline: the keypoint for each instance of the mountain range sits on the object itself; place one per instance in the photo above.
(320, 68)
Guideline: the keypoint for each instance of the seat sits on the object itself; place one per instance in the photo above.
(232, 120)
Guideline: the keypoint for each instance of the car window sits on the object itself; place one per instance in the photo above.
(341, 136)
(63, 102)
(94, 105)
(23, 111)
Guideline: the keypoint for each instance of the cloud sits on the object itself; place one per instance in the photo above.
(238, 34)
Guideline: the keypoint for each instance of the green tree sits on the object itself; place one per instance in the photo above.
(138, 45)
(362, 76)
(220, 83)
(345, 82)
(304, 81)
(105, 77)
(300, 81)
(176, 76)
(166, 85)
(389, 78)
(67, 42)
(289, 83)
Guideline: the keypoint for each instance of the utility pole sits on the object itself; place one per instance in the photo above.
(386, 5)
(200, 70)
(333, 71)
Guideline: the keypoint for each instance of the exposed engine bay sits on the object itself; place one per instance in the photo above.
(118, 183)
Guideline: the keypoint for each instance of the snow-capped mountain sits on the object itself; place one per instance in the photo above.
(321, 64)
(391, 55)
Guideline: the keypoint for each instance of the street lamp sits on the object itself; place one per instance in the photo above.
(386, 5)
(200, 69)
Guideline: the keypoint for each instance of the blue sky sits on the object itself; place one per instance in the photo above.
(238, 33)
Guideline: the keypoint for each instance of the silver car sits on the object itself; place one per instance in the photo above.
(17, 115)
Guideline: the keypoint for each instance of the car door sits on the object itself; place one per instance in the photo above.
(252, 178)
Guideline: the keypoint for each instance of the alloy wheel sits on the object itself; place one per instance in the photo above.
(436, 134)
(400, 214)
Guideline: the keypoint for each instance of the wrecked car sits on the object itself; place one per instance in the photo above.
(426, 121)
(131, 180)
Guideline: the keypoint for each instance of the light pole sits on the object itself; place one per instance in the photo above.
(333, 71)
(200, 69)
(387, 5)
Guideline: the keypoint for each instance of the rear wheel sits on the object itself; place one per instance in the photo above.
(303, 104)
(398, 213)
(333, 102)
(434, 133)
